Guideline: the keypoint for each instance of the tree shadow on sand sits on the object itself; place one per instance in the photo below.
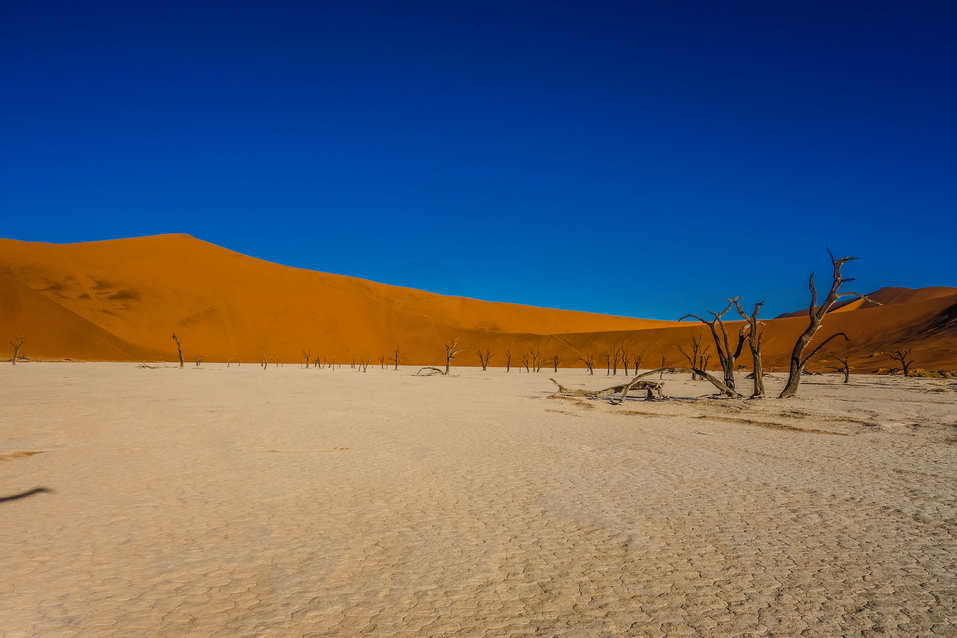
(14, 497)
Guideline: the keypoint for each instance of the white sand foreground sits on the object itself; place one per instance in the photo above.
(236, 502)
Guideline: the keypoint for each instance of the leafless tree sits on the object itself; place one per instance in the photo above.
(307, 355)
(199, 360)
(661, 369)
(625, 358)
(607, 364)
(525, 360)
(589, 361)
(364, 363)
(615, 358)
(179, 350)
(17, 343)
(555, 361)
(693, 356)
(844, 368)
(264, 361)
(484, 358)
(638, 358)
(396, 358)
(317, 362)
(901, 354)
(755, 339)
(536, 355)
(816, 315)
(451, 349)
(726, 355)
(508, 359)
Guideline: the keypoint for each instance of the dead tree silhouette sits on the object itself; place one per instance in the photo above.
(17, 343)
(816, 314)
(179, 350)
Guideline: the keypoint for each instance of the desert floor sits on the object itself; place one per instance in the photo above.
(241, 502)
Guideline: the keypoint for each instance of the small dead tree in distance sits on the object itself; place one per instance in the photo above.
(396, 358)
(902, 356)
(508, 359)
(451, 349)
(589, 361)
(307, 355)
(844, 368)
(17, 343)
(484, 357)
(555, 361)
(179, 350)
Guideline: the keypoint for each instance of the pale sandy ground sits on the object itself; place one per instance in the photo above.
(237, 502)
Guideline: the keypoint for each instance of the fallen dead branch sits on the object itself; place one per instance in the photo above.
(429, 371)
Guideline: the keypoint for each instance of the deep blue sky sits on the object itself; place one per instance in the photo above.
(636, 158)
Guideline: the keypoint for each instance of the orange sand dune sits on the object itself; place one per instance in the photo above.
(121, 300)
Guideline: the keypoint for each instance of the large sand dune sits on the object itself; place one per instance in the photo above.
(120, 300)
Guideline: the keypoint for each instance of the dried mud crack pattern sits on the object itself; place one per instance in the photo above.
(278, 505)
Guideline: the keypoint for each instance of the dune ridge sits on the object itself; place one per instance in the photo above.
(119, 300)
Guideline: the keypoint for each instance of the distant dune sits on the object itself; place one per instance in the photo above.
(120, 300)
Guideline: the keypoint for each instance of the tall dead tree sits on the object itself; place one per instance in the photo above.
(179, 350)
(484, 357)
(17, 343)
(396, 358)
(902, 356)
(555, 361)
(451, 349)
(726, 354)
(589, 361)
(755, 338)
(307, 355)
(508, 359)
(816, 315)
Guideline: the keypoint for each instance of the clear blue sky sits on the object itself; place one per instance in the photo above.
(637, 158)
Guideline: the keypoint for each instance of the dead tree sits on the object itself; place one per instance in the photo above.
(845, 367)
(536, 355)
(396, 358)
(317, 362)
(726, 355)
(693, 357)
(615, 357)
(902, 355)
(451, 349)
(429, 371)
(639, 357)
(555, 361)
(816, 315)
(179, 350)
(755, 338)
(17, 343)
(484, 358)
(652, 387)
(364, 364)
(625, 357)
(525, 362)
(589, 361)
(508, 359)
(307, 355)
(661, 370)
(199, 360)
(382, 362)
(607, 364)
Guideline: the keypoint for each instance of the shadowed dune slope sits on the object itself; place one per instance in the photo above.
(121, 299)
